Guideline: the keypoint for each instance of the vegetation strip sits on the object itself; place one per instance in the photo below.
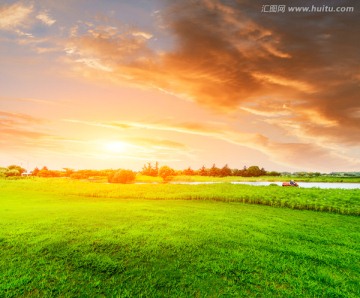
(343, 201)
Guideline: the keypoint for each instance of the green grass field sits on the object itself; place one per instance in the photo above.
(60, 237)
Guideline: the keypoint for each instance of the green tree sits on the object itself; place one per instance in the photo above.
(273, 173)
(254, 171)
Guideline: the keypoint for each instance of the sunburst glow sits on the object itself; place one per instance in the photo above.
(116, 147)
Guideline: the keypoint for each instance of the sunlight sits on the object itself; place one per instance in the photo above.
(116, 147)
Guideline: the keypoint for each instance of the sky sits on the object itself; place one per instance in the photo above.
(117, 84)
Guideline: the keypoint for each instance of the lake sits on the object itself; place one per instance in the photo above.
(301, 184)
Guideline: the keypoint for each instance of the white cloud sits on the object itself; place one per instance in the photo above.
(14, 16)
(94, 63)
(45, 18)
(143, 34)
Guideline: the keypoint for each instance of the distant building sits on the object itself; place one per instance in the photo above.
(26, 174)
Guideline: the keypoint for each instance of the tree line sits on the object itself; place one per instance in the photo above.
(214, 171)
(154, 170)
(165, 172)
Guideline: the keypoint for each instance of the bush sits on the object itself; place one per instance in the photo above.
(78, 176)
(122, 176)
(166, 173)
(12, 173)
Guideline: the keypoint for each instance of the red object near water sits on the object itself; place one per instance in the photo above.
(289, 184)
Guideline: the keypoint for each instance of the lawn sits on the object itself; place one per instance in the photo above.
(68, 238)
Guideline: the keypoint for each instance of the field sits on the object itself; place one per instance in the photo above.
(60, 237)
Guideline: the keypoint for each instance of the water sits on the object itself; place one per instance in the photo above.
(308, 184)
(301, 184)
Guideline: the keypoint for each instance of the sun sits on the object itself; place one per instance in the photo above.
(116, 147)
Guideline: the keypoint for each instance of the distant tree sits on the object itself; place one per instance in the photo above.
(273, 173)
(254, 171)
(46, 173)
(68, 172)
(122, 176)
(214, 171)
(225, 171)
(106, 173)
(3, 172)
(77, 176)
(149, 170)
(202, 171)
(35, 172)
(166, 173)
(18, 168)
(87, 173)
(12, 173)
(263, 172)
(300, 174)
(188, 172)
(235, 172)
(243, 172)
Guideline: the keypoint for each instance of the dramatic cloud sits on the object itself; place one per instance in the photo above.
(284, 84)
(226, 57)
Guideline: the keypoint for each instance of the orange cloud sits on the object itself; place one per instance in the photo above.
(19, 130)
(9, 118)
(225, 57)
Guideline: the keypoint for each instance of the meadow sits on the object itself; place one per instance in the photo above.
(62, 237)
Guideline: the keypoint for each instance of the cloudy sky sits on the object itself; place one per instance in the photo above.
(116, 84)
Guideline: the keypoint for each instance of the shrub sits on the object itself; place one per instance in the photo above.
(166, 173)
(13, 172)
(78, 176)
(122, 176)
